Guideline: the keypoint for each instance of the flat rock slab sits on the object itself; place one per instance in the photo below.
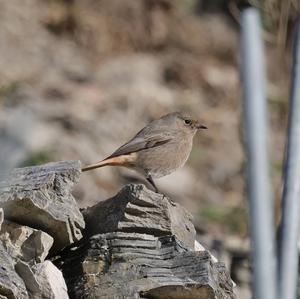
(132, 265)
(137, 209)
(40, 197)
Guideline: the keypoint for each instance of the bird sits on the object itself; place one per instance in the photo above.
(157, 150)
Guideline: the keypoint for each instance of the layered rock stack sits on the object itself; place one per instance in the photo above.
(138, 244)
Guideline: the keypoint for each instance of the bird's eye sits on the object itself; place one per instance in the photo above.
(187, 121)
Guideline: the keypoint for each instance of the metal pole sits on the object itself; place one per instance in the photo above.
(289, 228)
(258, 181)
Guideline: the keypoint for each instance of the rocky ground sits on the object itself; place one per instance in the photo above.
(79, 78)
(139, 239)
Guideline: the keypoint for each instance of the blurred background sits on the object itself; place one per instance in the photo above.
(78, 78)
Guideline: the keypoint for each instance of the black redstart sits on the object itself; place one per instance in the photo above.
(158, 149)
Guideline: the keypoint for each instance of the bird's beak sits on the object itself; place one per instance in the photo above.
(199, 126)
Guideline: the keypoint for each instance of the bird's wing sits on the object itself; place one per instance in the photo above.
(139, 143)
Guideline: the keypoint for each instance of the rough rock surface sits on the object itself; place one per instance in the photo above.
(24, 242)
(40, 197)
(23, 273)
(11, 284)
(146, 242)
(137, 209)
(36, 201)
(1, 217)
(149, 267)
(50, 281)
(138, 239)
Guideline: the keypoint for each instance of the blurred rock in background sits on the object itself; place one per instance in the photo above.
(79, 78)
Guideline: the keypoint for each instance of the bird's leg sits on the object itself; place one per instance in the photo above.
(150, 180)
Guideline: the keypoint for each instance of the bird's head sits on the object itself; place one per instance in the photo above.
(187, 123)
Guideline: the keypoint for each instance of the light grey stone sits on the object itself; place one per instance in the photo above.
(26, 273)
(149, 267)
(137, 209)
(51, 282)
(25, 243)
(40, 197)
(11, 284)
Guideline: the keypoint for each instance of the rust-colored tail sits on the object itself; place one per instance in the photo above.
(123, 160)
(93, 166)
